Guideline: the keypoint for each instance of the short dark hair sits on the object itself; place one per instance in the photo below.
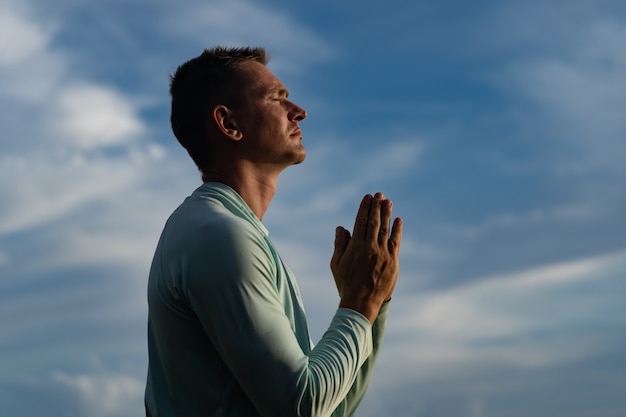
(200, 84)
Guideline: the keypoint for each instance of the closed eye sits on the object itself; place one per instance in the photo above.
(279, 94)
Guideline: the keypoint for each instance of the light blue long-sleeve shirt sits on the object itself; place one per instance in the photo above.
(227, 333)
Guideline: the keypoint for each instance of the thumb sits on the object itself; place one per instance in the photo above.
(342, 238)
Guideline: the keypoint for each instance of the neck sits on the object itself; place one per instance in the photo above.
(255, 188)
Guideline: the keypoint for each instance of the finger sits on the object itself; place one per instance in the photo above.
(373, 222)
(396, 237)
(385, 218)
(360, 224)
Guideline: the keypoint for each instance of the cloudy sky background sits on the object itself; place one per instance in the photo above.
(497, 127)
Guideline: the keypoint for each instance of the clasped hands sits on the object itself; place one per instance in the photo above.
(365, 264)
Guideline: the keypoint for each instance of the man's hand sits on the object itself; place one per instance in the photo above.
(365, 265)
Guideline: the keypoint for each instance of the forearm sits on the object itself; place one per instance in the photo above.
(349, 406)
(335, 365)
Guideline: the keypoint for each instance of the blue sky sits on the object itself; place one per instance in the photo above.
(496, 127)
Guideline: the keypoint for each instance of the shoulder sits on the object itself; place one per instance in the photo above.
(211, 242)
(206, 223)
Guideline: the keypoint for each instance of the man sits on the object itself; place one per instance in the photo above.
(227, 334)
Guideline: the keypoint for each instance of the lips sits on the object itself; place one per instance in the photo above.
(297, 132)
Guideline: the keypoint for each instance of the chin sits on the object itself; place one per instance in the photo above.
(300, 158)
(297, 156)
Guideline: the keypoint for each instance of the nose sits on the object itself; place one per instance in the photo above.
(296, 113)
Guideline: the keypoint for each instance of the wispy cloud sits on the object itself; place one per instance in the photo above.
(98, 395)
(571, 67)
(512, 262)
(30, 69)
(237, 23)
(41, 187)
(108, 395)
(533, 318)
(53, 160)
(336, 174)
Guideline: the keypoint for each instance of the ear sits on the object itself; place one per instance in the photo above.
(225, 122)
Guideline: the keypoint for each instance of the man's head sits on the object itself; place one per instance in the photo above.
(216, 77)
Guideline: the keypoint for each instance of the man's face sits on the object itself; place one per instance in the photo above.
(268, 120)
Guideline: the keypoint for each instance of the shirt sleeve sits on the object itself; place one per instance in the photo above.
(348, 407)
(240, 310)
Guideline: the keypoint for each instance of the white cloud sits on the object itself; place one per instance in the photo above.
(107, 395)
(90, 116)
(20, 38)
(31, 69)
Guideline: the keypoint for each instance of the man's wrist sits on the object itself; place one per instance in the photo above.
(367, 307)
